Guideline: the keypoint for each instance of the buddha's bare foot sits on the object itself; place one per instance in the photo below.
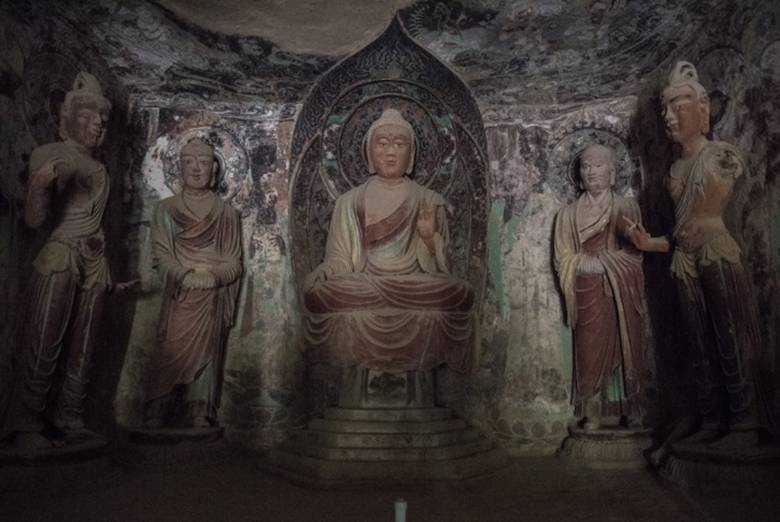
(658, 456)
(631, 423)
(702, 436)
(69, 423)
(591, 424)
(31, 441)
(201, 422)
(735, 441)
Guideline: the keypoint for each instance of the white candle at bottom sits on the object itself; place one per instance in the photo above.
(400, 510)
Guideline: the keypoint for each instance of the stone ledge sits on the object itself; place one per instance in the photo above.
(388, 414)
(317, 473)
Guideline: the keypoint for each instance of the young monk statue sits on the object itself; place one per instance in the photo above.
(600, 273)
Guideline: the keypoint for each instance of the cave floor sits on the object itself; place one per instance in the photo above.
(530, 489)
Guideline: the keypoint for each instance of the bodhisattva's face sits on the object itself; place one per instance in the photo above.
(390, 149)
(87, 123)
(596, 170)
(684, 115)
(198, 167)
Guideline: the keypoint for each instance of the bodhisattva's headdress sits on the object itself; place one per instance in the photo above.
(389, 117)
(684, 75)
(84, 86)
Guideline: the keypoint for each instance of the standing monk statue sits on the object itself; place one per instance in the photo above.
(384, 298)
(713, 287)
(68, 190)
(600, 273)
(196, 243)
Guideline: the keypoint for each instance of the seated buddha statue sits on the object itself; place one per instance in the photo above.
(384, 297)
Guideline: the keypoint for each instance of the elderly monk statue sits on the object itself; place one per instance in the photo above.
(712, 284)
(600, 273)
(196, 242)
(384, 298)
(68, 191)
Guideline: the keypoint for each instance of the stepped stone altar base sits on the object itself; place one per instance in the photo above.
(606, 448)
(699, 466)
(172, 447)
(83, 454)
(385, 429)
(384, 445)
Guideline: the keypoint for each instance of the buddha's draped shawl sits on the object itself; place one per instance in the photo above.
(387, 302)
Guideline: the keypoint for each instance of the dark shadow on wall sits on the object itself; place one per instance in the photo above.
(648, 141)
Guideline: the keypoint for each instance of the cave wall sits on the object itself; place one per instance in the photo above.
(548, 76)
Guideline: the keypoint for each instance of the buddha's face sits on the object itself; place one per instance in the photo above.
(596, 169)
(198, 166)
(86, 122)
(685, 116)
(390, 150)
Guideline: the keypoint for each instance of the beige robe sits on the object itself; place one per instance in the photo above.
(194, 323)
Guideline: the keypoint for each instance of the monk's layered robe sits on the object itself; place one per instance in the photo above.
(65, 295)
(194, 323)
(603, 285)
(387, 301)
(714, 289)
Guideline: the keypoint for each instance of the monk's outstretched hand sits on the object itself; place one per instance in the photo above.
(637, 234)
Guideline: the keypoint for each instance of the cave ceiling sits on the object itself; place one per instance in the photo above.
(509, 52)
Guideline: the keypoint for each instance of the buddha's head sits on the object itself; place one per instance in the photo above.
(199, 166)
(390, 146)
(597, 168)
(685, 105)
(84, 113)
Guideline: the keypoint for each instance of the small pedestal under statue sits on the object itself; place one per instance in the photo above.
(600, 272)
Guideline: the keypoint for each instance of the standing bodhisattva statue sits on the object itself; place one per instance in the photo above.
(713, 287)
(196, 242)
(600, 273)
(68, 190)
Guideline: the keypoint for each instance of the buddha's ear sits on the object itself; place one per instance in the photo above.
(214, 173)
(412, 149)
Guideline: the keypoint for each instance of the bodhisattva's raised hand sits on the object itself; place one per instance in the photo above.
(55, 171)
(426, 221)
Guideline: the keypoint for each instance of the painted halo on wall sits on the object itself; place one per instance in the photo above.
(344, 164)
(770, 61)
(234, 168)
(563, 163)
